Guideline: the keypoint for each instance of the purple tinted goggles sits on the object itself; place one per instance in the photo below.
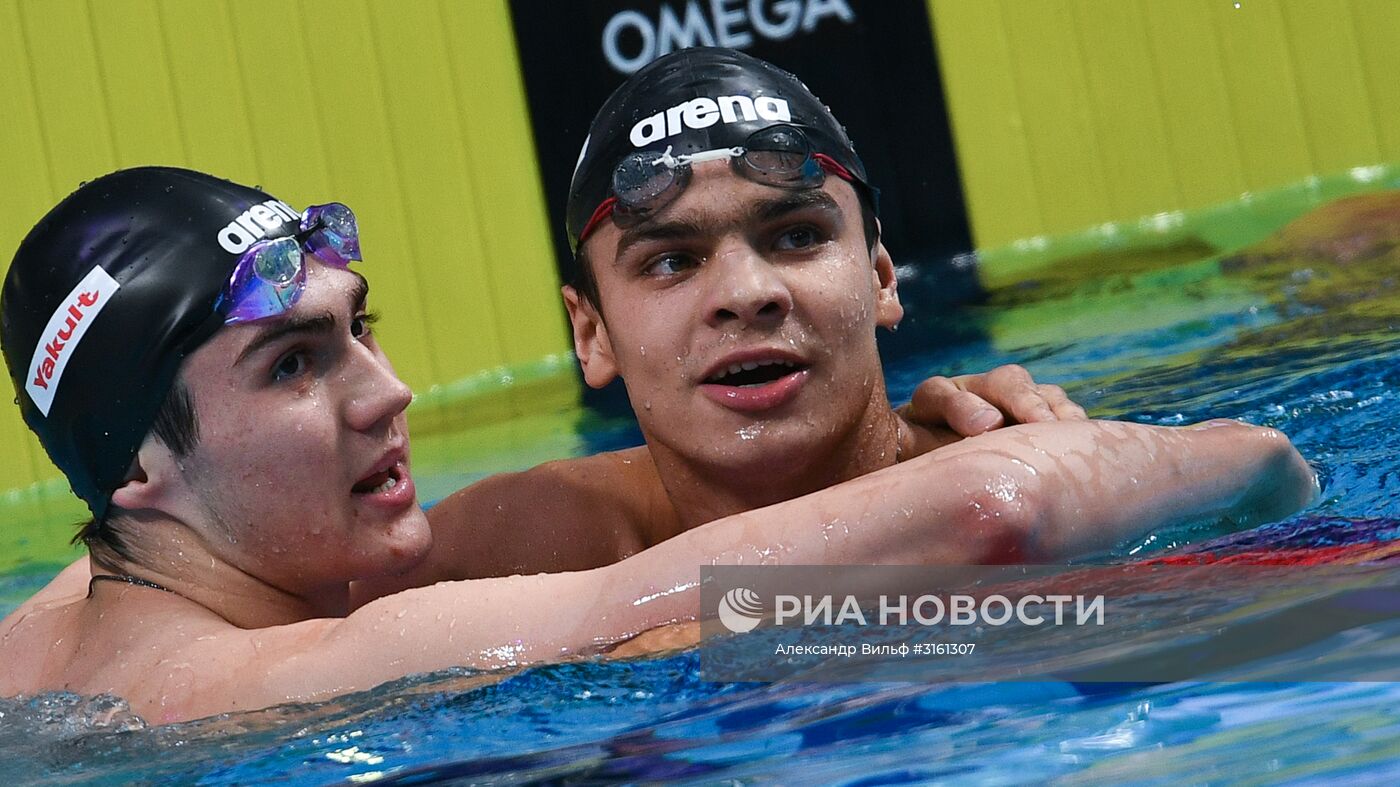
(270, 275)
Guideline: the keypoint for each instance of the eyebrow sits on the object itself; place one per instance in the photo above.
(765, 211)
(315, 323)
(769, 210)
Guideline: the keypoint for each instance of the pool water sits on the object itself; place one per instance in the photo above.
(1293, 335)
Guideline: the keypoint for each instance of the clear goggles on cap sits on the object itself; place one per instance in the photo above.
(271, 274)
(644, 182)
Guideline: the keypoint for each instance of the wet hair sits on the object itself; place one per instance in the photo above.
(176, 426)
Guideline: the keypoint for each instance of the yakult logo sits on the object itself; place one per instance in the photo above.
(253, 224)
(63, 332)
(704, 112)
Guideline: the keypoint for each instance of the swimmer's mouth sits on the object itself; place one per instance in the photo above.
(750, 374)
(382, 481)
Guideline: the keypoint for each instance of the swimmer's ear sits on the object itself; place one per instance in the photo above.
(591, 343)
(148, 480)
(888, 310)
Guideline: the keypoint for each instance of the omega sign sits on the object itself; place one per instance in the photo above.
(731, 23)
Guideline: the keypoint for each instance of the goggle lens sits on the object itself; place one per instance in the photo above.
(642, 177)
(644, 182)
(781, 156)
(270, 276)
(278, 263)
(335, 237)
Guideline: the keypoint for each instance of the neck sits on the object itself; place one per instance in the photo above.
(703, 492)
(186, 567)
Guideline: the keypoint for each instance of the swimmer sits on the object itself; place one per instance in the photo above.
(198, 359)
(731, 272)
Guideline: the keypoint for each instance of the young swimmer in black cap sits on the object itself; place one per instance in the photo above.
(151, 251)
(730, 270)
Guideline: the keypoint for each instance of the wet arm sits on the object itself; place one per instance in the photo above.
(944, 410)
(1048, 490)
(1089, 486)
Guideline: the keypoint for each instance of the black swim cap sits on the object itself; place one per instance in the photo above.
(107, 295)
(695, 100)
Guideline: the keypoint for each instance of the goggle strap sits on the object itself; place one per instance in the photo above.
(605, 209)
(834, 167)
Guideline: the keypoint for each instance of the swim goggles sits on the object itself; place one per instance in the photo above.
(647, 181)
(270, 275)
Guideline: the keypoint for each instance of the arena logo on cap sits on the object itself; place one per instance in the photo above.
(703, 112)
(64, 330)
(253, 224)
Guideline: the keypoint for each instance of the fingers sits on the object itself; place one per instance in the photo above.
(1011, 389)
(971, 404)
(939, 401)
(1060, 404)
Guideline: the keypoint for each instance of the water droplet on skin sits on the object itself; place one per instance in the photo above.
(647, 404)
(643, 349)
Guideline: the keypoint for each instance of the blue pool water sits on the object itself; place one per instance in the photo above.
(1306, 346)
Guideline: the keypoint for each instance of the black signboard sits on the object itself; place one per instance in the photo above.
(871, 61)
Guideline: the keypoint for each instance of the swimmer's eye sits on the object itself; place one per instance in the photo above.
(293, 364)
(361, 323)
(797, 238)
(669, 265)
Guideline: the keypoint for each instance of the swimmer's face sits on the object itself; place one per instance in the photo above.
(299, 416)
(732, 274)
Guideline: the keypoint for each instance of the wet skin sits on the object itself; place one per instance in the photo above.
(730, 273)
(297, 418)
(258, 543)
(261, 529)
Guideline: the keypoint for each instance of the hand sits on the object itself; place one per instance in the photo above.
(972, 404)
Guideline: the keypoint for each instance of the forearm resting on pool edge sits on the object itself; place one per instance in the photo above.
(1086, 487)
(1034, 492)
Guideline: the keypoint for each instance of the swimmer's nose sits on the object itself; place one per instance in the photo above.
(378, 395)
(746, 290)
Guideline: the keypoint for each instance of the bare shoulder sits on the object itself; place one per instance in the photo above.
(565, 515)
(68, 586)
(31, 643)
(225, 668)
(171, 659)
